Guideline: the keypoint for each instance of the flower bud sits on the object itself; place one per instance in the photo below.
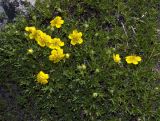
(86, 25)
(48, 6)
(83, 66)
(96, 34)
(59, 9)
(92, 52)
(30, 51)
(34, 17)
(156, 88)
(67, 55)
(95, 94)
(97, 70)
(52, 29)
(79, 67)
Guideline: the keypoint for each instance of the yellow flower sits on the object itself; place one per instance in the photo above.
(32, 35)
(56, 55)
(30, 51)
(30, 29)
(55, 43)
(42, 77)
(57, 22)
(27, 28)
(116, 58)
(76, 37)
(41, 38)
(133, 59)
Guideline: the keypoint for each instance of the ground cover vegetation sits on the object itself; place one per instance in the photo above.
(82, 60)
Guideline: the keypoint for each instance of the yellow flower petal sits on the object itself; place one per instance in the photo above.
(58, 26)
(44, 82)
(75, 31)
(135, 62)
(72, 42)
(80, 41)
(70, 36)
(51, 57)
(139, 58)
(62, 22)
(80, 34)
(27, 29)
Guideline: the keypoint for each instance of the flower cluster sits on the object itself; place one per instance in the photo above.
(75, 36)
(132, 59)
(55, 44)
(43, 39)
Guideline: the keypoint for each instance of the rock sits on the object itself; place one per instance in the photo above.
(3, 16)
(9, 9)
(32, 2)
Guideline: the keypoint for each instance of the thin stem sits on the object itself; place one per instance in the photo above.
(124, 29)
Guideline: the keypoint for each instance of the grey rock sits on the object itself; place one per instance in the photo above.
(3, 16)
(9, 9)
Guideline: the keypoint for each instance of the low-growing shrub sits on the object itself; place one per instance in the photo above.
(86, 60)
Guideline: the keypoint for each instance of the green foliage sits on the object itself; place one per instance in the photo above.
(105, 90)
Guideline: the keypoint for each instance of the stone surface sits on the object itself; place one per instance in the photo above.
(3, 16)
(9, 8)
(31, 1)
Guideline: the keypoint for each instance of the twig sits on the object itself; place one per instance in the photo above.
(133, 29)
(124, 29)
